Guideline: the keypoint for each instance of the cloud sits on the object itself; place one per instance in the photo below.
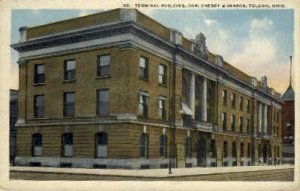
(261, 23)
(260, 56)
(256, 52)
(209, 22)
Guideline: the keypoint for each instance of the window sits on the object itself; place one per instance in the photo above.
(144, 145)
(69, 104)
(144, 68)
(249, 150)
(143, 105)
(241, 103)
(213, 148)
(287, 126)
(248, 126)
(103, 68)
(67, 145)
(224, 97)
(233, 149)
(224, 121)
(233, 97)
(241, 122)
(162, 74)
(225, 153)
(242, 150)
(39, 74)
(248, 106)
(188, 147)
(103, 102)
(162, 108)
(163, 146)
(101, 145)
(38, 108)
(69, 68)
(232, 122)
(37, 144)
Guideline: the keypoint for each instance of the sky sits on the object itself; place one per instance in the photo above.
(258, 42)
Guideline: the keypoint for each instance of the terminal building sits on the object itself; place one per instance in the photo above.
(13, 117)
(117, 89)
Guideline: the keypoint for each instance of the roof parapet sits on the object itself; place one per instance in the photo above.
(219, 61)
(253, 81)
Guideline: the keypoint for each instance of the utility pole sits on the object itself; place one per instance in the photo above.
(173, 113)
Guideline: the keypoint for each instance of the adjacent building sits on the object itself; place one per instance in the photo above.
(117, 89)
(288, 125)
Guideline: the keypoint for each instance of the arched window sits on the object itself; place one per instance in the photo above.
(259, 151)
(101, 145)
(163, 146)
(37, 144)
(67, 145)
(242, 150)
(249, 150)
(213, 148)
(234, 155)
(225, 153)
(241, 154)
(188, 147)
(234, 149)
(144, 145)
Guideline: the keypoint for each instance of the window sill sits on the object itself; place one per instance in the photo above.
(39, 118)
(162, 120)
(142, 117)
(103, 116)
(144, 79)
(163, 157)
(38, 84)
(103, 77)
(69, 81)
(163, 85)
(68, 117)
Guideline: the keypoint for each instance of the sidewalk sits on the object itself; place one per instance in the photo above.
(176, 172)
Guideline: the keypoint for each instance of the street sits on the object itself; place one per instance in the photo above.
(262, 175)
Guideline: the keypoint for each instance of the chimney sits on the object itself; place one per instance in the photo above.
(23, 33)
(175, 36)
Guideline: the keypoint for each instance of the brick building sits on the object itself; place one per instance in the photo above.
(288, 125)
(117, 89)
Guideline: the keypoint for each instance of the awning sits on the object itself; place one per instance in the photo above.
(186, 110)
